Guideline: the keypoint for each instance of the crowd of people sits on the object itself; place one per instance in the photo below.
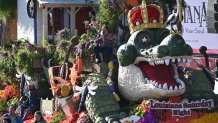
(29, 105)
(12, 117)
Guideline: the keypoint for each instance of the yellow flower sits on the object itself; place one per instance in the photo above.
(208, 118)
(1, 92)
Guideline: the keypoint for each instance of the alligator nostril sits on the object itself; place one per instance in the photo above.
(151, 50)
(141, 50)
(146, 53)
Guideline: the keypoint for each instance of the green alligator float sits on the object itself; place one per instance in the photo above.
(148, 67)
(153, 64)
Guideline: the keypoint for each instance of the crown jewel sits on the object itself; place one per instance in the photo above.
(145, 16)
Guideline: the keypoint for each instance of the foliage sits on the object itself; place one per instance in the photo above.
(7, 67)
(7, 64)
(57, 49)
(57, 117)
(61, 50)
(8, 8)
(13, 101)
(18, 55)
(3, 104)
(83, 38)
(85, 48)
(63, 34)
(107, 14)
(24, 61)
(46, 42)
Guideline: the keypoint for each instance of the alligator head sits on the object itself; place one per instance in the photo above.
(148, 64)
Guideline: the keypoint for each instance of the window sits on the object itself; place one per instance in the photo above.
(58, 20)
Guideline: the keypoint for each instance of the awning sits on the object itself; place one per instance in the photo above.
(65, 3)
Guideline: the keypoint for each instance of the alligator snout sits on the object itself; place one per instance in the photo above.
(173, 45)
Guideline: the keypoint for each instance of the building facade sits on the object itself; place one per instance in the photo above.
(51, 16)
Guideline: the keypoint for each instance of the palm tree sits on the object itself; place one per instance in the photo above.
(8, 14)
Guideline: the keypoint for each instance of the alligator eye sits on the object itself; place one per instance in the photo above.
(143, 39)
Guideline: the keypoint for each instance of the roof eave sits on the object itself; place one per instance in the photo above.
(51, 3)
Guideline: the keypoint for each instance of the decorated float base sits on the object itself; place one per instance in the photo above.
(148, 67)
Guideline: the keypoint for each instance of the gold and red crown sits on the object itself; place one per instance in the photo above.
(145, 16)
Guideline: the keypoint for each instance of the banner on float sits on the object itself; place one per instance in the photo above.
(182, 109)
(194, 27)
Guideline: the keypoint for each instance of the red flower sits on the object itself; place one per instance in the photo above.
(175, 99)
(10, 91)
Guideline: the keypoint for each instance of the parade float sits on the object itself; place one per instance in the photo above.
(146, 79)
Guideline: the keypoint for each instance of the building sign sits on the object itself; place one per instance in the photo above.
(194, 27)
(184, 108)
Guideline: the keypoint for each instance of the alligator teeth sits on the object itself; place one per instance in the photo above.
(160, 86)
(156, 62)
(146, 79)
(170, 88)
(184, 60)
(153, 82)
(176, 88)
(161, 61)
(167, 62)
(179, 60)
(151, 63)
(173, 60)
(189, 60)
(165, 86)
(156, 84)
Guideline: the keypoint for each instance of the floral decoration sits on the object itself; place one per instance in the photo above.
(10, 91)
(208, 118)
